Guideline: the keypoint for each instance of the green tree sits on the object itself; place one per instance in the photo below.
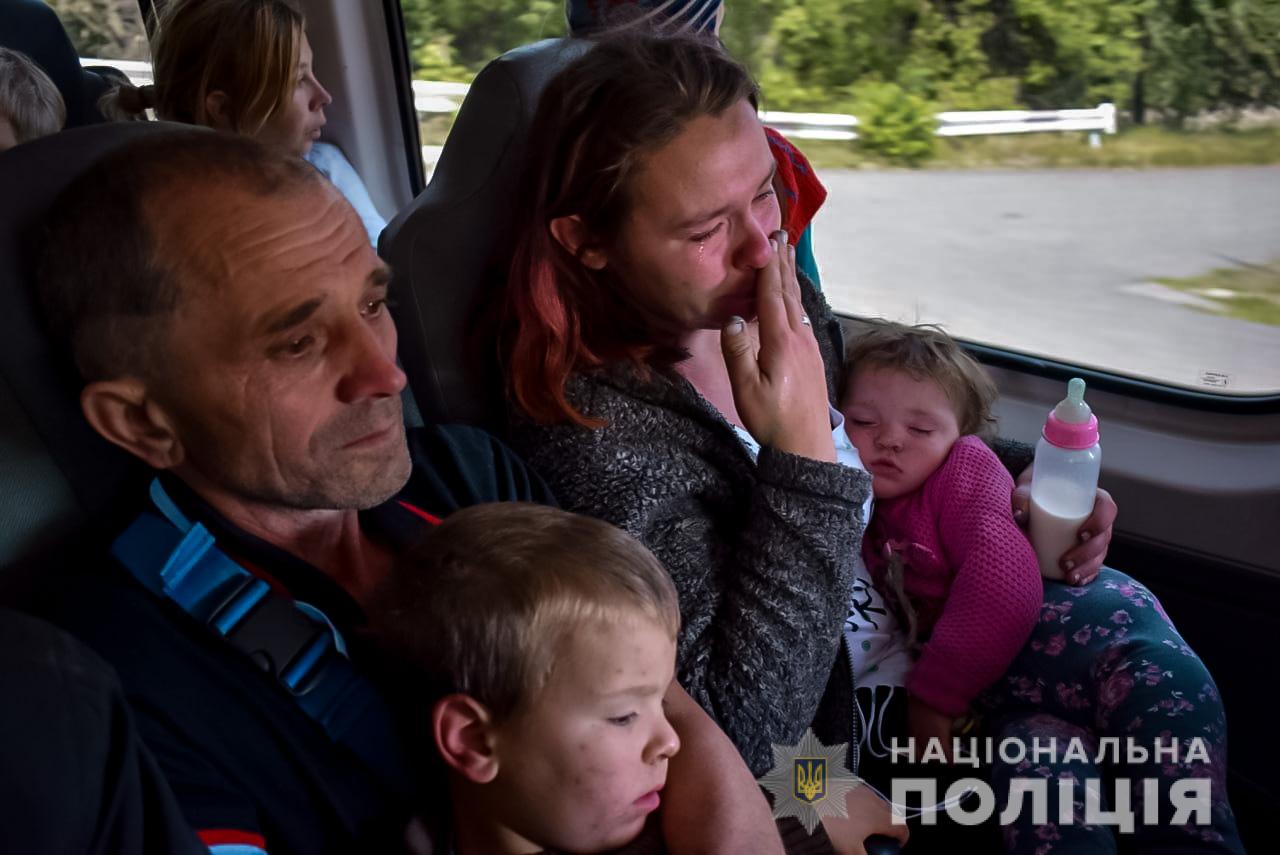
(820, 53)
(745, 30)
(1208, 54)
(821, 48)
(946, 62)
(1066, 53)
(456, 38)
(1178, 57)
(897, 124)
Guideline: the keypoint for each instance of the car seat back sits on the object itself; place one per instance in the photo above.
(450, 249)
(57, 475)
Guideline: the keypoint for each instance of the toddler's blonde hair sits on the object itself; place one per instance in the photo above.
(925, 351)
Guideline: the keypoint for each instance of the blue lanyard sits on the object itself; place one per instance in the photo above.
(295, 643)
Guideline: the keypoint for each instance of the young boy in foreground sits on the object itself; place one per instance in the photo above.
(546, 641)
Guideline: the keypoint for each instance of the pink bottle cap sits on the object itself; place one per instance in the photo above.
(1071, 436)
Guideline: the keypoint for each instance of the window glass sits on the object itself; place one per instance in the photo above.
(451, 40)
(1127, 220)
(104, 29)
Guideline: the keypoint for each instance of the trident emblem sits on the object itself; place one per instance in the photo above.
(811, 778)
(809, 781)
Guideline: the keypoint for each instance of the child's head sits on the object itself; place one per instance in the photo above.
(910, 393)
(547, 641)
(30, 105)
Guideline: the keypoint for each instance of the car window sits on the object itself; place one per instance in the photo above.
(1126, 220)
(449, 42)
(104, 29)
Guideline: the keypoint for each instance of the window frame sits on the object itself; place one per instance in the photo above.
(1120, 384)
(402, 67)
(1097, 378)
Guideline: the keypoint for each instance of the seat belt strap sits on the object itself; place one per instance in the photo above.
(180, 562)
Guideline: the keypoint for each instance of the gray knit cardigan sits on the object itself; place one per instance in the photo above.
(761, 552)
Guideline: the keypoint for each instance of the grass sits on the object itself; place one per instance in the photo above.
(1133, 148)
(1250, 292)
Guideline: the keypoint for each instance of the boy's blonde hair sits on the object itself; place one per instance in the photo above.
(486, 602)
(29, 101)
(926, 352)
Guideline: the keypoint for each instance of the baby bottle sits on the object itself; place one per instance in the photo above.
(1064, 480)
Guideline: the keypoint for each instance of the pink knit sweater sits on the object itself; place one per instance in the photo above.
(970, 574)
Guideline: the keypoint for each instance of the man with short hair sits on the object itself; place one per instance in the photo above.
(229, 317)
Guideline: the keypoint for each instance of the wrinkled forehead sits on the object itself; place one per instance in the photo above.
(215, 234)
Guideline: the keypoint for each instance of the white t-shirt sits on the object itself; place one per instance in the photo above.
(333, 164)
(875, 641)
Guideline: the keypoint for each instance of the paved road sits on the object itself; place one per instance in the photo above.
(1060, 263)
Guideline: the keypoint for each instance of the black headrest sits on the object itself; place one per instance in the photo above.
(32, 27)
(55, 471)
(449, 248)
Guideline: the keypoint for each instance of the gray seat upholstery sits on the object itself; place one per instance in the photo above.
(450, 248)
(58, 478)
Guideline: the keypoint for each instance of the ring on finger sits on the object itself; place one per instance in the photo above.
(804, 319)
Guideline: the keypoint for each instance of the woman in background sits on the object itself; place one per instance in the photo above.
(245, 66)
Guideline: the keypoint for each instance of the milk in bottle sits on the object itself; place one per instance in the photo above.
(1064, 480)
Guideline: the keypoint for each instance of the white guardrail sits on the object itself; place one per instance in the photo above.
(1101, 119)
(437, 97)
(139, 73)
(433, 97)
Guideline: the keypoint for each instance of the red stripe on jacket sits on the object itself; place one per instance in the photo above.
(226, 836)
(434, 520)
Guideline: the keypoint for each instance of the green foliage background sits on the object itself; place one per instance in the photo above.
(893, 63)
(1156, 59)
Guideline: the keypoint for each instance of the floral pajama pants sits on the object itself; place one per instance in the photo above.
(1105, 661)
